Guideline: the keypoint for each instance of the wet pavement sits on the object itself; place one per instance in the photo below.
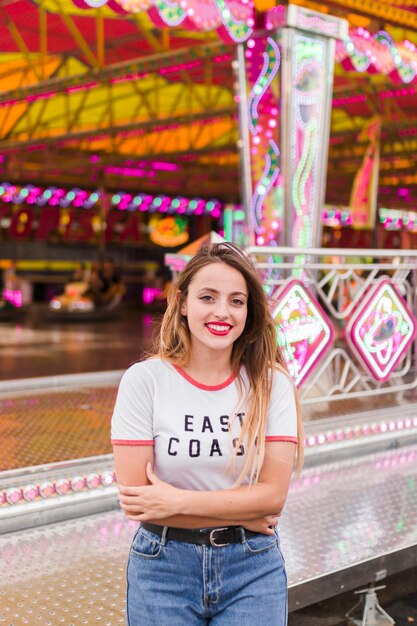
(32, 345)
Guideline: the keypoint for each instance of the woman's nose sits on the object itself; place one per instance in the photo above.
(222, 310)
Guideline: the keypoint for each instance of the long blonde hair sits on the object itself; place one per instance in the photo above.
(256, 348)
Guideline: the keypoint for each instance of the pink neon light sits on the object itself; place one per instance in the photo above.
(304, 332)
(13, 296)
(161, 165)
(126, 171)
(149, 294)
(381, 330)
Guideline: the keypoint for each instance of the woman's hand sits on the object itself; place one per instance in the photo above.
(264, 525)
(158, 500)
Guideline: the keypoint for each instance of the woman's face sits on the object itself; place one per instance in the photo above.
(216, 308)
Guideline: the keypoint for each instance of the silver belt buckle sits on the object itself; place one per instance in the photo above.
(213, 539)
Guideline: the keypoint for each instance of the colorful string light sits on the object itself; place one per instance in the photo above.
(395, 219)
(233, 19)
(363, 52)
(87, 199)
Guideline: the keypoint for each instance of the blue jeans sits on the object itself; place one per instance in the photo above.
(172, 583)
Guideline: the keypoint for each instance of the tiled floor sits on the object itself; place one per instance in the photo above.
(55, 425)
(73, 573)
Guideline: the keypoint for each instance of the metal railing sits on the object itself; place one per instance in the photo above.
(340, 278)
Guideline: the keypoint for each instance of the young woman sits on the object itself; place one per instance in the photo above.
(205, 434)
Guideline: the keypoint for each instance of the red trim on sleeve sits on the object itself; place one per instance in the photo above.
(289, 439)
(133, 442)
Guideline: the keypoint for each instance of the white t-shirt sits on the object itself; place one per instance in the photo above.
(193, 426)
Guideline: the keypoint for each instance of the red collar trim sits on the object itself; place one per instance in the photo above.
(194, 382)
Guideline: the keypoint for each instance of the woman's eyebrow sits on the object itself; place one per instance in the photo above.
(234, 293)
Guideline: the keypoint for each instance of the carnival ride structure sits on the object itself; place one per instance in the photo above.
(140, 97)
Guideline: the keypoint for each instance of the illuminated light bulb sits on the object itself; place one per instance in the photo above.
(30, 492)
(108, 478)
(78, 483)
(392, 426)
(46, 489)
(383, 427)
(250, 43)
(321, 438)
(93, 480)
(13, 495)
(63, 486)
(400, 424)
(260, 241)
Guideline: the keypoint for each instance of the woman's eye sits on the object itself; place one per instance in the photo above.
(237, 302)
(206, 298)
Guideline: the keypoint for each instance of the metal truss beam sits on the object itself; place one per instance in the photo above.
(67, 155)
(77, 36)
(19, 41)
(111, 131)
(129, 69)
(395, 15)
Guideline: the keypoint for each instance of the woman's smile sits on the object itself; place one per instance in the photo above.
(219, 329)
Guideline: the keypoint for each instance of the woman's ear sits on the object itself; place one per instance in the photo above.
(183, 309)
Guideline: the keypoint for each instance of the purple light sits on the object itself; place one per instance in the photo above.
(403, 192)
(149, 294)
(13, 296)
(161, 165)
(125, 171)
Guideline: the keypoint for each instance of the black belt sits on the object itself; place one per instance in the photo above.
(216, 537)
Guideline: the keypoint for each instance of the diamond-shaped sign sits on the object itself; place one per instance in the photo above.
(381, 329)
(304, 332)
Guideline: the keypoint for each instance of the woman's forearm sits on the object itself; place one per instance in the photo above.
(244, 503)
